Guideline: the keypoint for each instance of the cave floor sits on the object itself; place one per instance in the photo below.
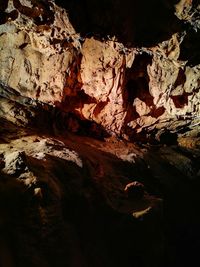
(69, 200)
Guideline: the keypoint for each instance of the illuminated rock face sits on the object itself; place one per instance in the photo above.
(35, 49)
(134, 91)
(103, 72)
(131, 92)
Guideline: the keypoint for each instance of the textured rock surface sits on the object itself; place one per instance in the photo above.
(135, 91)
(35, 55)
(75, 201)
(130, 92)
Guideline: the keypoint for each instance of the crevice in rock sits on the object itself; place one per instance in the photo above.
(137, 78)
(181, 78)
(181, 100)
(22, 46)
(157, 112)
(99, 107)
(168, 138)
(136, 86)
(190, 43)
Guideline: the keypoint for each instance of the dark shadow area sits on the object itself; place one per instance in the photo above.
(190, 47)
(181, 78)
(168, 138)
(82, 227)
(5, 16)
(139, 22)
(181, 100)
(137, 80)
(137, 85)
(181, 216)
(107, 237)
(77, 101)
(157, 112)
(14, 206)
(72, 122)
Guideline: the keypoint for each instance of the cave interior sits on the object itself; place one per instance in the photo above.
(99, 133)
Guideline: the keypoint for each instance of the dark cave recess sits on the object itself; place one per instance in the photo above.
(138, 22)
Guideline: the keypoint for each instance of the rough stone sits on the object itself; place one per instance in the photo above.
(15, 162)
(128, 91)
(70, 200)
(35, 58)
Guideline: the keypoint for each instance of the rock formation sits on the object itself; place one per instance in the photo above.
(35, 56)
(130, 92)
(99, 133)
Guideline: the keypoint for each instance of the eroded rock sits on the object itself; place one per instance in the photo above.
(15, 163)
(130, 92)
(35, 58)
(69, 204)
